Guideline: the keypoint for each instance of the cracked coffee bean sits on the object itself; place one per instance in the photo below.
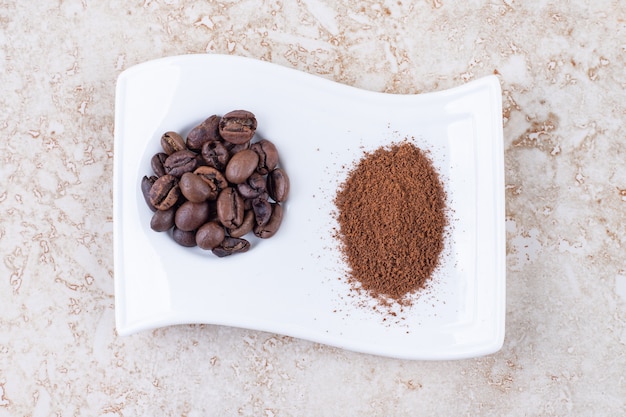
(215, 154)
(270, 228)
(238, 126)
(172, 142)
(180, 162)
(146, 185)
(165, 192)
(262, 210)
(214, 178)
(278, 185)
(230, 246)
(230, 208)
(253, 187)
(246, 226)
(207, 131)
(157, 162)
(268, 155)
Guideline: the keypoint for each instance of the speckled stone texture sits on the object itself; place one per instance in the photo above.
(561, 65)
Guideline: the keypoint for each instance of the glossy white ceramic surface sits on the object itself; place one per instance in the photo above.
(294, 283)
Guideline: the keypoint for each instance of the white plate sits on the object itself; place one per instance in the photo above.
(293, 283)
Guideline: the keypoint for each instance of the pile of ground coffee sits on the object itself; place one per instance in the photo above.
(391, 215)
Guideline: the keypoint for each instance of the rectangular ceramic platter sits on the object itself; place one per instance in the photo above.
(294, 283)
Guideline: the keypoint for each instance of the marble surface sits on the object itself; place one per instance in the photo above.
(561, 65)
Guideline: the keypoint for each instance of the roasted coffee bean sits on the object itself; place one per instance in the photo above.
(241, 166)
(209, 235)
(247, 203)
(189, 216)
(172, 142)
(163, 220)
(205, 132)
(253, 187)
(271, 227)
(214, 178)
(268, 155)
(262, 210)
(195, 189)
(180, 162)
(237, 126)
(215, 154)
(165, 192)
(183, 238)
(230, 246)
(257, 182)
(246, 191)
(233, 149)
(246, 226)
(278, 185)
(146, 185)
(157, 162)
(230, 208)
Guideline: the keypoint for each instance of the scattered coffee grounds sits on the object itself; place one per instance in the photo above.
(391, 215)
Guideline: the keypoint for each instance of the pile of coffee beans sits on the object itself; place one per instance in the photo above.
(215, 187)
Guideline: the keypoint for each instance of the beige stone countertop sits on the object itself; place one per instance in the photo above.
(562, 70)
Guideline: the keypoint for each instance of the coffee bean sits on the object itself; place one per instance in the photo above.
(146, 185)
(214, 178)
(268, 155)
(205, 132)
(183, 238)
(233, 149)
(247, 203)
(189, 216)
(271, 227)
(157, 162)
(209, 235)
(253, 187)
(278, 185)
(246, 226)
(172, 142)
(230, 246)
(195, 189)
(230, 208)
(246, 191)
(165, 192)
(238, 126)
(241, 166)
(215, 154)
(163, 220)
(180, 162)
(262, 210)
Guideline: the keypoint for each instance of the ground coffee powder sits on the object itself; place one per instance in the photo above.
(391, 215)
